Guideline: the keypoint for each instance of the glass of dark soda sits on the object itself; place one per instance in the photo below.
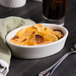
(54, 11)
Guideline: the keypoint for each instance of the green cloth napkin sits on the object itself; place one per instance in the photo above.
(6, 25)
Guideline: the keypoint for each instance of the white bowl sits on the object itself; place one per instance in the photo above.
(38, 51)
(12, 3)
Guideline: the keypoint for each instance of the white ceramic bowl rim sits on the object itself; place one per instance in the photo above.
(36, 46)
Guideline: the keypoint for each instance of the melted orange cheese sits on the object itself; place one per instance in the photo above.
(36, 35)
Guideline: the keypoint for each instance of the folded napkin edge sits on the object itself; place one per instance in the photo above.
(4, 64)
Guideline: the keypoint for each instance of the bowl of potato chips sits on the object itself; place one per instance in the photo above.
(37, 41)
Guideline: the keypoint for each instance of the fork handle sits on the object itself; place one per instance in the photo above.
(50, 72)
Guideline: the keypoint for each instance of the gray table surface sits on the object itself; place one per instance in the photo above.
(33, 10)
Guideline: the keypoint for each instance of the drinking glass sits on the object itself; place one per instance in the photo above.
(54, 11)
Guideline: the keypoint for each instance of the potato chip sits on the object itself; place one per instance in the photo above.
(39, 27)
(32, 41)
(48, 31)
(50, 37)
(29, 31)
(58, 34)
(16, 41)
(39, 39)
(21, 33)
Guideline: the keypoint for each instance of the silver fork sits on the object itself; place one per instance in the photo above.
(50, 70)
